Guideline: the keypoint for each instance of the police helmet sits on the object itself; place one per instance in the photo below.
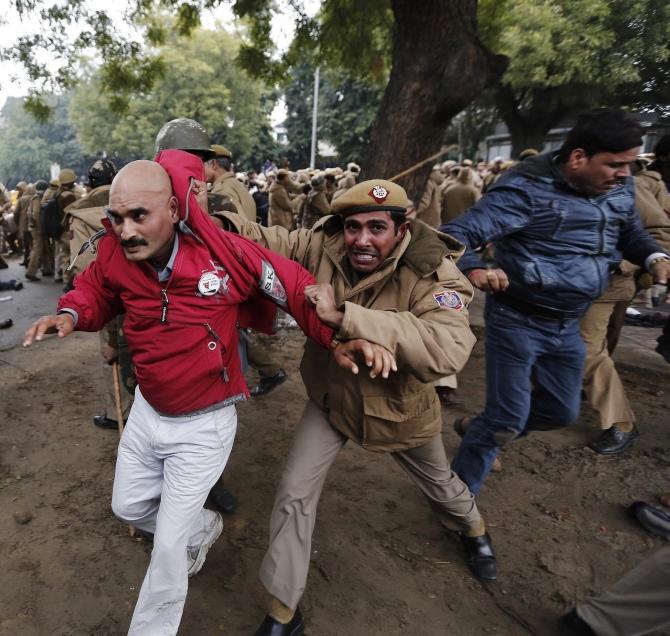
(41, 185)
(67, 176)
(184, 134)
(102, 172)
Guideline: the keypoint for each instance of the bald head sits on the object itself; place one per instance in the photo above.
(143, 211)
(141, 176)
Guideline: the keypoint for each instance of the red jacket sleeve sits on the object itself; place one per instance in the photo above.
(281, 281)
(95, 303)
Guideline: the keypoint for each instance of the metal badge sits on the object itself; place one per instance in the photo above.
(209, 284)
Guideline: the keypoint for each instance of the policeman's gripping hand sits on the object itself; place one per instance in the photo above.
(489, 280)
(322, 297)
(62, 324)
(378, 359)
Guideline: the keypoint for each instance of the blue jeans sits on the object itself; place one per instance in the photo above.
(533, 382)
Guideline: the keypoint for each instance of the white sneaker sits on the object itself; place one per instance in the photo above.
(196, 556)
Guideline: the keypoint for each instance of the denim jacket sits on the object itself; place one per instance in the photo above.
(557, 246)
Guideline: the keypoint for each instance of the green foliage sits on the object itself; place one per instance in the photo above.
(347, 109)
(199, 81)
(582, 52)
(29, 148)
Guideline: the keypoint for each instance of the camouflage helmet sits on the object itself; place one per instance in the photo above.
(184, 134)
(66, 176)
(102, 172)
(41, 185)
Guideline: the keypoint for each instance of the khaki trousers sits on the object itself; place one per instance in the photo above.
(41, 255)
(316, 444)
(259, 357)
(602, 384)
(638, 603)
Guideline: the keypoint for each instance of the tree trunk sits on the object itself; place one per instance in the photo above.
(439, 67)
(529, 126)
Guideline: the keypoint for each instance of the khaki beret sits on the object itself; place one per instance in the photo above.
(221, 151)
(54, 183)
(467, 162)
(281, 173)
(369, 196)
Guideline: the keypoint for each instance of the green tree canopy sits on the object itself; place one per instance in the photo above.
(570, 55)
(200, 81)
(29, 148)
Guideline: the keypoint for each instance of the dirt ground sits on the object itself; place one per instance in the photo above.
(381, 564)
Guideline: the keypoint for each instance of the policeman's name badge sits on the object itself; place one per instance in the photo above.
(209, 283)
(449, 299)
(379, 193)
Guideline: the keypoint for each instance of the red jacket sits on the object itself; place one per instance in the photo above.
(185, 350)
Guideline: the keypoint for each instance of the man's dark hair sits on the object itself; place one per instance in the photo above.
(602, 130)
(398, 218)
(224, 162)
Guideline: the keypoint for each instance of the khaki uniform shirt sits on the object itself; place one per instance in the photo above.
(229, 186)
(415, 305)
(458, 198)
(429, 206)
(650, 197)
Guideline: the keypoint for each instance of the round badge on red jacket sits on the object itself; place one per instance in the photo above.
(209, 284)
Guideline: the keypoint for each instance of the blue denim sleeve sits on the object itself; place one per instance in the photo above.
(501, 212)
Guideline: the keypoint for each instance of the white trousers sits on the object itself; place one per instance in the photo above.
(164, 471)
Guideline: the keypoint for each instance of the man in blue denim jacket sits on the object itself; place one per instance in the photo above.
(558, 225)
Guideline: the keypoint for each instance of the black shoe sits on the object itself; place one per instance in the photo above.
(447, 396)
(268, 384)
(614, 441)
(23, 264)
(32, 278)
(651, 518)
(479, 556)
(18, 285)
(6, 324)
(104, 422)
(272, 627)
(223, 499)
(571, 625)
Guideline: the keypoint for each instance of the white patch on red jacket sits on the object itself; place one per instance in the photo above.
(270, 284)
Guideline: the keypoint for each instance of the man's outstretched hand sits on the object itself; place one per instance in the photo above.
(379, 359)
(62, 324)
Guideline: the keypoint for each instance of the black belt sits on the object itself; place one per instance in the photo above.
(533, 310)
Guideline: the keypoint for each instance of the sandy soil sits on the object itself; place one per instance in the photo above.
(381, 564)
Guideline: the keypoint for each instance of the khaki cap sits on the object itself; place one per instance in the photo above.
(54, 183)
(369, 196)
(282, 172)
(66, 176)
(221, 151)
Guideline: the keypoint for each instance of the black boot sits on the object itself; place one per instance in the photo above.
(223, 499)
(272, 627)
(480, 557)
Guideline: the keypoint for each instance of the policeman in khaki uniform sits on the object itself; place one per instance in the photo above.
(65, 196)
(218, 171)
(430, 204)
(281, 200)
(226, 193)
(602, 384)
(41, 253)
(393, 282)
(315, 204)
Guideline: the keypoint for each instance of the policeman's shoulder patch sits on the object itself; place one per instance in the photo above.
(449, 299)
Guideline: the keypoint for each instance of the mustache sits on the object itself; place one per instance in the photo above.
(133, 242)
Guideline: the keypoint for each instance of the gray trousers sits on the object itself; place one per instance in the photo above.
(316, 444)
(638, 603)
